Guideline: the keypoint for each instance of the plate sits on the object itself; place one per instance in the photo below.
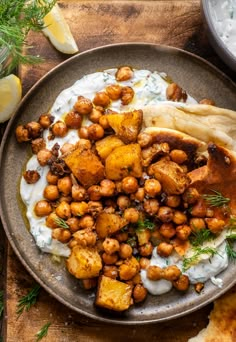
(194, 74)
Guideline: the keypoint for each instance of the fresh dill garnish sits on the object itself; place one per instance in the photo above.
(198, 237)
(25, 303)
(216, 200)
(188, 262)
(1, 303)
(17, 18)
(131, 241)
(146, 224)
(43, 331)
(231, 252)
(61, 223)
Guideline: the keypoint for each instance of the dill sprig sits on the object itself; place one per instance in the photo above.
(146, 224)
(188, 262)
(25, 303)
(198, 237)
(216, 199)
(1, 303)
(132, 241)
(43, 331)
(61, 223)
(231, 252)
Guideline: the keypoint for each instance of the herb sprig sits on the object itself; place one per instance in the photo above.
(43, 331)
(216, 199)
(25, 303)
(146, 224)
(198, 237)
(231, 252)
(61, 223)
(188, 262)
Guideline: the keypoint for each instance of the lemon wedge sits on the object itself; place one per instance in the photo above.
(58, 31)
(10, 96)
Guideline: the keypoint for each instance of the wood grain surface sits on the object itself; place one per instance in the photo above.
(96, 23)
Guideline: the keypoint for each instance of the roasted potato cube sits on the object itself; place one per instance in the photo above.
(84, 262)
(171, 176)
(126, 125)
(113, 294)
(143, 236)
(85, 166)
(107, 224)
(124, 161)
(105, 146)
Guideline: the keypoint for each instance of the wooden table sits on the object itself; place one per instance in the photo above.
(95, 23)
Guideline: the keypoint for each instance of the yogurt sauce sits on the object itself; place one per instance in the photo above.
(224, 20)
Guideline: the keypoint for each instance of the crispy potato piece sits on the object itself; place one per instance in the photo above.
(84, 262)
(85, 166)
(106, 145)
(124, 161)
(173, 180)
(113, 294)
(126, 125)
(107, 224)
(143, 236)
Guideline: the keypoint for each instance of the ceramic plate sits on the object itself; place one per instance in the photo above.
(200, 80)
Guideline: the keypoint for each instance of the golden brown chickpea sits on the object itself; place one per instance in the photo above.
(146, 250)
(207, 102)
(139, 293)
(101, 99)
(114, 91)
(122, 236)
(22, 134)
(51, 178)
(154, 272)
(108, 188)
(165, 214)
(84, 144)
(151, 206)
(85, 237)
(215, 225)
(94, 192)
(109, 259)
(197, 224)
(42, 208)
(175, 93)
(199, 209)
(144, 139)
(79, 208)
(72, 243)
(62, 235)
(103, 121)
(110, 271)
(179, 217)
(165, 249)
(45, 120)
(152, 187)
(51, 220)
(124, 73)
(118, 186)
(95, 132)
(139, 195)
(96, 113)
(127, 95)
(63, 210)
(94, 208)
(43, 156)
(173, 201)
(65, 185)
(167, 230)
(86, 221)
(191, 195)
(181, 284)
(67, 199)
(51, 192)
(34, 129)
(127, 272)
(78, 192)
(90, 283)
(123, 202)
(171, 273)
(178, 156)
(144, 263)
(83, 106)
(37, 145)
(83, 133)
(73, 120)
(31, 176)
(131, 215)
(66, 148)
(59, 129)
(156, 237)
(125, 251)
(183, 232)
(111, 246)
(73, 223)
(137, 279)
(129, 184)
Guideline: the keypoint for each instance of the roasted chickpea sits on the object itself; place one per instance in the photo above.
(124, 73)
(129, 184)
(94, 192)
(66, 148)
(83, 133)
(179, 217)
(86, 221)
(51, 220)
(125, 251)
(51, 178)
(96, 113)
(94, 207)
(182, 283)
(199, 209)
(122, 237)
(59, 129)
(196, 224)
(90, 283)
(109, 259)
(43, 156)
(63, 210)
(215, 225)
(45, 120)
(73, 223)
(209, 102)
(144, 263)
(144, 139)
(65, 185)
(165, 214)
(173, 201)
(51, 192)
(31, 176)
(108, 188)
(62, 235)
(67, 199)
(95, 132)
(191, 195)
(167, 230)
(139, 195)
(111, 246)
(131, 215)
(85, 237)
(22, 134)
(171, 273)
(110, 271)
(34, 129)
(123, 202)
(78, 192)
(154, 272)
(83, 106)
(101, 99)
(175, 93)
(114, 91)
(126, 272)
(151, 206)
(156, 237)
(127, 95)
(37, 145)
(146, 250)
(183, 232)
(73, 120)
(79, 208)
(164, 249)
(103, 121)
(42, 208)
(152, 187)
(139, 293)
(178, 156)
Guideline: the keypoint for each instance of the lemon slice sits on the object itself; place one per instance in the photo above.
(10, 96)
(58, 31)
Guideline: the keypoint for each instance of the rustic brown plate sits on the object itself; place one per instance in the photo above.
(194, 74)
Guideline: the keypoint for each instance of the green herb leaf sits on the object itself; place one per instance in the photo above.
(43, 331)
(188, 262)
(132, 241)
(1, 303)
(198, 237)
(231, 252)
(216, 200)
(25, 303)
(61, 223)
(146, 224)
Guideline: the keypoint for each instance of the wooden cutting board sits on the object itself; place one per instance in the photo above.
(96, 23)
